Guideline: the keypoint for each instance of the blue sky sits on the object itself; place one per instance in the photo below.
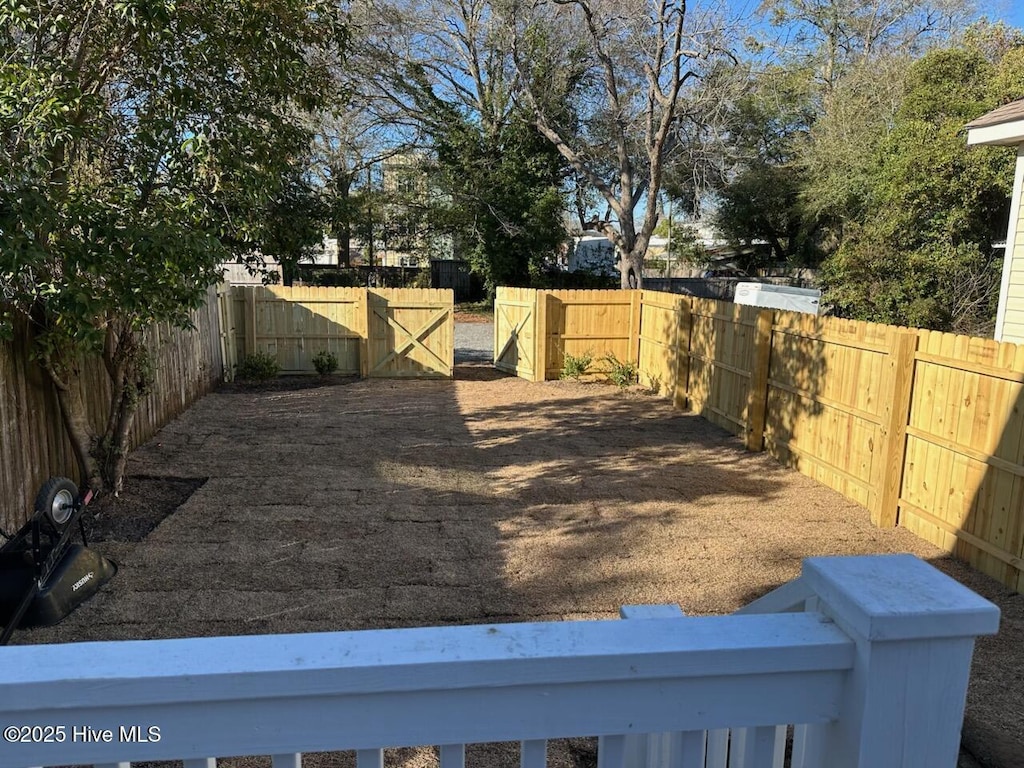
(1013, 13)
(1010, 11)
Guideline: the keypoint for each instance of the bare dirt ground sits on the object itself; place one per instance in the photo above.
(368, 504)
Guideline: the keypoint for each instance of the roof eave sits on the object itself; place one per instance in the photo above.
(1008, 134)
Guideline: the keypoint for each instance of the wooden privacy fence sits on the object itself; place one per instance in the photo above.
(33, 444)
(924, 429)
(534, 330)
(394, 333)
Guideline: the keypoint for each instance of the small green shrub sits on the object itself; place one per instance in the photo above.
(258, 366)
(621, 373)
(574, 366)
(325, 362)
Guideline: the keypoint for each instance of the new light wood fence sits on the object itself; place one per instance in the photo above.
(534, 330)
(33, 444)
(395, 333)
(925, 430)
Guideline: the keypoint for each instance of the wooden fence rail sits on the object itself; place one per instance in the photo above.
(33, 444)
(924, 429)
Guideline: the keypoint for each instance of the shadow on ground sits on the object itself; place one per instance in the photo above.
(402, 503)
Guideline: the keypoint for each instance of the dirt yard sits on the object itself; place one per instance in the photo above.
(365, 504)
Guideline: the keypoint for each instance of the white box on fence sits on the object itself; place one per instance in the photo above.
(783, 297)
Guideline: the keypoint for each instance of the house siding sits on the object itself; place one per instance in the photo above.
(1010, 317)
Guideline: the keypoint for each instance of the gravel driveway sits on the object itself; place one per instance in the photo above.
(474, 342)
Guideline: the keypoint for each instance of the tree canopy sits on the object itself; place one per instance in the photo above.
(846, 151)
(921, 253)
(143, 142)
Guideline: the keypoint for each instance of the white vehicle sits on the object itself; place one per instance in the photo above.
(779, 297)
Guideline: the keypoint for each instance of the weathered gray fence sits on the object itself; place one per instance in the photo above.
(33, 444)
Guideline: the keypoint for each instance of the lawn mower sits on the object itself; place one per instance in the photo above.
(43, 575)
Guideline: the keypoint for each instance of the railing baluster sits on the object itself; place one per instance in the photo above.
(203, 762)
(666, 750)
(807, 746)
(635, 750)
(718, 748)
(752, 747)
(286, 761)
(650, 750)
(453, 756)
(779, 760)
(738, 747)
(611, 752)
(533, 754)
(692, 750)
(370, 758)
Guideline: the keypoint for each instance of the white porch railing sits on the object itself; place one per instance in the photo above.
(874, 675)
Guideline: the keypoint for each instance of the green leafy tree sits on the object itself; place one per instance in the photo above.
(684, 244)
(503, 199)
(762, 198)
(142, 143)
(294, 221)
(633, 85)
(444, 69)
(921, 251)
(798, 142)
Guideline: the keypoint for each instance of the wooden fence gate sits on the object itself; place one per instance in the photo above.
(410, 333)
(515, 333)
(404, 332)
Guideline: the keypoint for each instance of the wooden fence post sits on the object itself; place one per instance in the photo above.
(684, 332)
(250, 320)
(229, 342)
(757, 400)
(364, 333)
(895, 415)
(540, 335)
(635, 314)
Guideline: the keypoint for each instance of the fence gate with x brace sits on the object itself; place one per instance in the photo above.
(410, 333)
(515, 333)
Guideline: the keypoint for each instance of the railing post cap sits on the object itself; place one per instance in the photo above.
(898, 597)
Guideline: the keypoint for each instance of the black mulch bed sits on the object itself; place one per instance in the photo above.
(143, 504)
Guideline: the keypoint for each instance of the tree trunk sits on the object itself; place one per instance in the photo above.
(631, 269)
(345, 246)
(119, 443)
(76, 423)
